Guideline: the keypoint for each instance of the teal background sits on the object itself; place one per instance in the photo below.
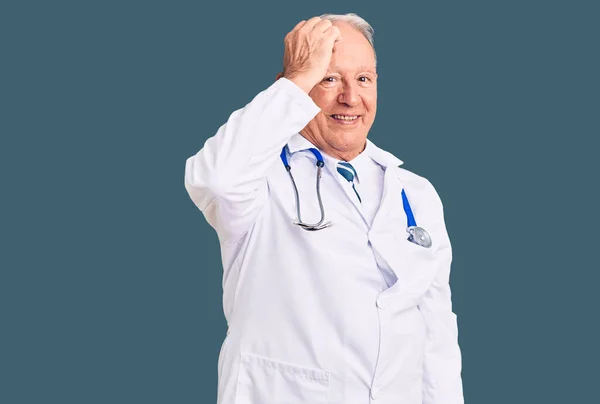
(110, 288)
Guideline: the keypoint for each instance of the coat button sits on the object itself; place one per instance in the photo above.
(375, 393)
(380, 303)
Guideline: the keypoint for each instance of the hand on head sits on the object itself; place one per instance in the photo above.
(308, 50)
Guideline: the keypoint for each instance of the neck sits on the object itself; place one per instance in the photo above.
(322, 145)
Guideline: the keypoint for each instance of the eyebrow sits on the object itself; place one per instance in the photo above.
(360, 68)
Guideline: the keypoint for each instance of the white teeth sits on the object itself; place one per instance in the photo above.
(345, 118)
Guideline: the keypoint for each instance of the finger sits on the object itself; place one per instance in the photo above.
(333, 34)
(299, 25)
(322, 26)
(311, 23)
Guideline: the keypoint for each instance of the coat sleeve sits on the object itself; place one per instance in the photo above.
(442, 381)
(226, 179)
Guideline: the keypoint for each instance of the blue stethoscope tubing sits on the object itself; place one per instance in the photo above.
(417, 235)
(321, 224)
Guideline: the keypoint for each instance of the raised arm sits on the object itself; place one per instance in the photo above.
(226, 179)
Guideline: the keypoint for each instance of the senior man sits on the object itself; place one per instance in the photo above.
(327, 297)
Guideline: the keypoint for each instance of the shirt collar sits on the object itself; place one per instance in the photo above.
(298, 142)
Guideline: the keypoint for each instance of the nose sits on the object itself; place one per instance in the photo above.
(349, 94)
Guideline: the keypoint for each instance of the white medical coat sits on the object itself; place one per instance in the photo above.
(308, 319)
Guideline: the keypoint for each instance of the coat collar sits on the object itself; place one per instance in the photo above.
(298, 142)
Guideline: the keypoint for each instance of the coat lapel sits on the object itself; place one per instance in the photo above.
(414, 266)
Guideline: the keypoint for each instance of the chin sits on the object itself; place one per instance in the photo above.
(348, 142)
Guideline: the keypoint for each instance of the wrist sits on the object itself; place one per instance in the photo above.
(305, 83)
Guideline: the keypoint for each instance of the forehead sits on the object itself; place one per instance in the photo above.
(353, 52)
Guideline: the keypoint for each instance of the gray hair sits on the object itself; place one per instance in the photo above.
(358, 23)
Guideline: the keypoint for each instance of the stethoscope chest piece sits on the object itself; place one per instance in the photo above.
(419, 236)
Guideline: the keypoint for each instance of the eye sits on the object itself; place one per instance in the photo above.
(364, 77)
(327, 79)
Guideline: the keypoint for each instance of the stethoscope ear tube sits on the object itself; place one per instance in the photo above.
(313, 227)
(321, 224)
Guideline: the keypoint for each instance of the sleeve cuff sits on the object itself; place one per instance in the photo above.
(302, 99)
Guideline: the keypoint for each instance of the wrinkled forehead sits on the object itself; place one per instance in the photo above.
(354, 50)
(353, 59)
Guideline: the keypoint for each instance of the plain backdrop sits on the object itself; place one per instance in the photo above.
(110, 276)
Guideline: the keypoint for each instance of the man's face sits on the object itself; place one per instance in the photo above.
(349, 88)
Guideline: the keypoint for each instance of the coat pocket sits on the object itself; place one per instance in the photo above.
(266, 381)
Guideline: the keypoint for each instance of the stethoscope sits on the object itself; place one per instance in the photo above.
(416, 234)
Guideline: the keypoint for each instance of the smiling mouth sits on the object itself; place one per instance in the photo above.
(344, 118)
